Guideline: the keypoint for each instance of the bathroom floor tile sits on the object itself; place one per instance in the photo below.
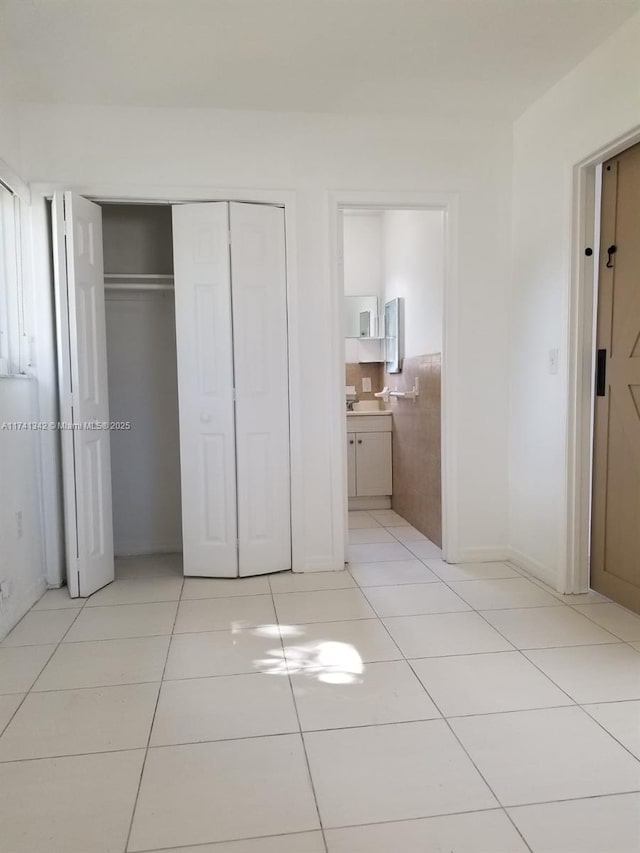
(486, 684)
(21, 665)
(381, 693)
(228, 706)
(546, 627)
(393, 772)
(378, 552)
(442, 634)
(319, 646)
(414, 599)
(388, 518)
(368, 535)
(224, 587)
(58, 599)
(388, 574)
(104, 663)
(596, 825)
(328, 605)
(617, 620)
(71, 722)
(592, 673)
(210, 653)
(123, 621)
(225, 790)
(310, 581)
(137, 591)
(470, 571)
(359, 520)
(551, 754)
(620, 719)
(476, 832)
(41, 627)
(424, 550)
(408, 534)
(76, 804)
(220, 614)
(503, 593)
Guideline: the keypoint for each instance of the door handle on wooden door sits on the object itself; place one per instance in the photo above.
(601, 373)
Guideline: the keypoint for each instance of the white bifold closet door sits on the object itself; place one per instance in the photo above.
(84, 405)
(231, 334)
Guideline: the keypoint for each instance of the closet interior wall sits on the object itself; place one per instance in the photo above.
(142, 371)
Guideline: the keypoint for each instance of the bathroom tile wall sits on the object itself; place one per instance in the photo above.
(417, 488)
(355, 373)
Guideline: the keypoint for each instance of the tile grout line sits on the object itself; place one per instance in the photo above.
(153, 718)
(46, 663)
(295, 706)
(446, 721)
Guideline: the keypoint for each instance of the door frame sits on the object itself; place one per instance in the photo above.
(447, 203)
(583, 291)
(41, 193)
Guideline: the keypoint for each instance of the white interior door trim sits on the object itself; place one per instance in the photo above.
(574, 571)
(128, 193)
(448, 204)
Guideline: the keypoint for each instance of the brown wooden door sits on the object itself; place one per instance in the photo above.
(615, 535)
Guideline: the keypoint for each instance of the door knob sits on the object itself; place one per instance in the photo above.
(359, 441)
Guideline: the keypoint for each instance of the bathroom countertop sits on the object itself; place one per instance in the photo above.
(367, 414)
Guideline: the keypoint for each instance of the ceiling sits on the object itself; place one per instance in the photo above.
(473, 58)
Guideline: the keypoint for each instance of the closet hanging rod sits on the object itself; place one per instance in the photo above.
(122, 276)
(140, 288)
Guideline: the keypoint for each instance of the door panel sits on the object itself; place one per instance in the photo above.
(259, 299)
(205, 389)
(373, 464)
(82, 364)
(615, 553)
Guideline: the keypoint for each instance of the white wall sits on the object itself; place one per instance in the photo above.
(143, 389)
(414, 270)
(10, 135)
(363, 271)
(362, 266)
(133, 149)
(21, 555)
(598, 102)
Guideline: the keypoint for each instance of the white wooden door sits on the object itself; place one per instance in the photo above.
(373, 464)
(82, 366)
(259, 293)
(205, 388)
(351, 465)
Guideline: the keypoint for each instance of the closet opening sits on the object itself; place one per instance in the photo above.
(143, 388)
(173, 374)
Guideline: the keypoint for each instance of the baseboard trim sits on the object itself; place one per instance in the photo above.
(533, 567)
(129, 549)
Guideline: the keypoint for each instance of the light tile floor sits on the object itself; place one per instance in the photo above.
(404, 705)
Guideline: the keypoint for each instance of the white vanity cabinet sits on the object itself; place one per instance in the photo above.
(369, 455)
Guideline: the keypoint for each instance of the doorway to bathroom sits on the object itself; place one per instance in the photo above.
(391, 269)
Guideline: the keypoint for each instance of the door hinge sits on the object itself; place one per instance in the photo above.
(233, 394)
(229, 237)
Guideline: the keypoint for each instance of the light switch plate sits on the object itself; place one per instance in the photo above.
(366, 384)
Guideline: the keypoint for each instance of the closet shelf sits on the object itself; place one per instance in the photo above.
(137, 281)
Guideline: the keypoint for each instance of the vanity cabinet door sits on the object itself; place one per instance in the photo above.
(351, 465)
(373, 463)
